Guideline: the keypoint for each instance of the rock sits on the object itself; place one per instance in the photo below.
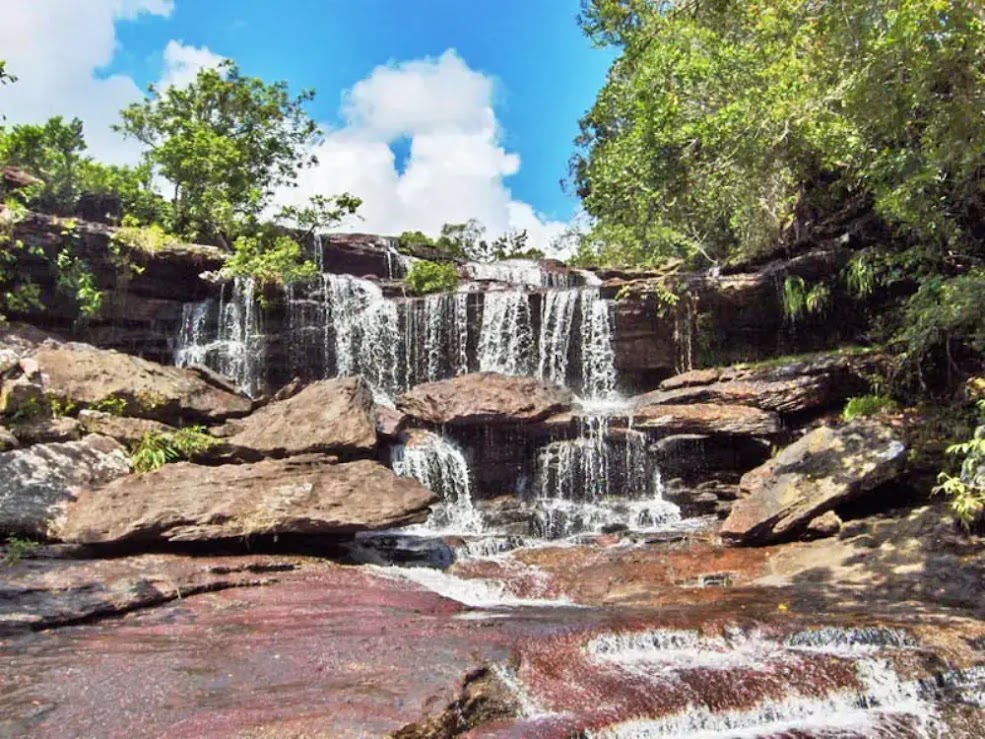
(334, 416)
(186, 502)
(390, 422)
(21, 396)
(706, 418)
(45, 430)
(827, 524)
(827, 467)
(86, 376)
(7, 440)
(37, 482)
(691, 454)
(485, 398)
(125, 430)
(14, 178)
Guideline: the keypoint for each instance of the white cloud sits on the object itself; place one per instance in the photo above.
(182, 63)
(56, 49)
(457, 164)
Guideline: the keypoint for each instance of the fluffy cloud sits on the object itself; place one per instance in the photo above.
(56, 50)
(457, 164)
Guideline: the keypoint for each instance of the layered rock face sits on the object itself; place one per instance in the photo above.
(308, 494)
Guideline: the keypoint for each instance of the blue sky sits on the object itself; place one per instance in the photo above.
(528, 57)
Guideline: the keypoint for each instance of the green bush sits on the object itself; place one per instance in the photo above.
(426, 277)
(868, 405)
(268, 258)
(967, 488)
(18, 548)
(410, 239)
(155, 450)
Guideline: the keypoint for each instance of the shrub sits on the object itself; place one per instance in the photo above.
(18, 548)
(155, 450)
(148, 239)
(426, 277)
(410, 239)
(269, 259)
(868, 405)
(967, 488)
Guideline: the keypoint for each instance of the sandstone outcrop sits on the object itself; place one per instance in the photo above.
(184, 502)
(485, 398)
(333, 416)
(36, 483)
(706, 418)
(827, 467)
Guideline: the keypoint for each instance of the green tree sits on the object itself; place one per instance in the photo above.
(465, 240)
(54, 152)
(515, 245)
(225, 143)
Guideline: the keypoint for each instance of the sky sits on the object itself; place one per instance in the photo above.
(434, 111)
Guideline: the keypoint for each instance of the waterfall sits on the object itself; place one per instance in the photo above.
(506, 340)
(590, 483)
(439, 465)
(232, 344)
(318, 247)
(435, 337)
(341, 326)
(597, 356)
(556, 321)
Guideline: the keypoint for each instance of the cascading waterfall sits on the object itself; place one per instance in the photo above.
(557, 318)
(597, 356)
(436, 336)
(591, 483)
(342, 325)
(440, 466)
(231, 345)
(506, 341)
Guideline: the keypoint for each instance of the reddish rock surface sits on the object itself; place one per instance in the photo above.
(485, 398)
(706, 418)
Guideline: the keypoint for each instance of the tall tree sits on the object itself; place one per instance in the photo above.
(225, 143)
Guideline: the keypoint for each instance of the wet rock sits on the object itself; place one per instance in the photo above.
(825, 468)
(827, 524)
(506, 513)
(390, 422)
(42, 430)
(706, 418)
(44, 593)
(87, 376)
(485, 398)
(330, 416)
(699, 454)
(125, 430)
(307, 494)
(36, 483)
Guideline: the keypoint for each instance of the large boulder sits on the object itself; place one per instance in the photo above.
(88, 376)
(186, 502)
(707, 419)
(827, 467)
(485, 398)
(335, 416)
(36, 483)
(122, 428)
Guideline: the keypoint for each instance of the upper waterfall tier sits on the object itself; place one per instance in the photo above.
(337, 325)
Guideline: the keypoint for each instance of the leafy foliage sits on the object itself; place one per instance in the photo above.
(225, 143)
(722, 122)
(148, 239)
(800, 299)
(967, 488)
(867, 405)
(18, 548)
(52, 151)
(153, 451)
(426, 277)
(269, 258)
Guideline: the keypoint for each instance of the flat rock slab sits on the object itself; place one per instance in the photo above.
(707, 418)
(333, 416)
(36, 483)
(187, 502)
(86, 376)
(485, 398)
(824, 469)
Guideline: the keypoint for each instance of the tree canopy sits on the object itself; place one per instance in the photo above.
(225, 143)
